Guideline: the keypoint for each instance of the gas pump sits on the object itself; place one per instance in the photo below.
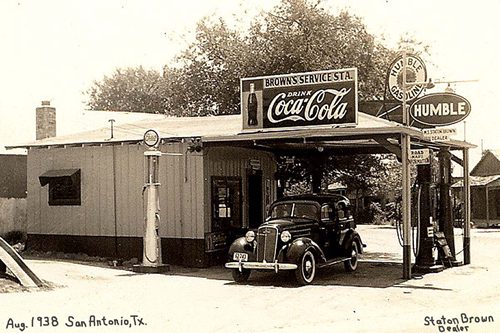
(152, 259)
(425, 249)
(445, 206)
(431, 221)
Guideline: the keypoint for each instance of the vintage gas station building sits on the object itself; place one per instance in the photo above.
(85, 190)
(220, 187)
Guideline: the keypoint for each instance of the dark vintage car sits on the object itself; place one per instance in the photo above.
(301, 233)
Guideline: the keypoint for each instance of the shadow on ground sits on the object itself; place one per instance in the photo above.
(375, 270)
(368, 274)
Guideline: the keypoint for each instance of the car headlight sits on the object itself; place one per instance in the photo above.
(250, 236)
(285, 236)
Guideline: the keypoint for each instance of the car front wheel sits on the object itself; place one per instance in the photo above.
(351, 264)
(307, 269)
(240, 277)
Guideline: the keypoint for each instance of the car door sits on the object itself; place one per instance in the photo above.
(307, 213)
(342, 221)
(327, 228)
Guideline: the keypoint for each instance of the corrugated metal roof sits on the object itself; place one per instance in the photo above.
(488, 165)
(215, 128)
(478, 181)
(228, 128)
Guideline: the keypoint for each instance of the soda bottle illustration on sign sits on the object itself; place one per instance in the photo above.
(252, 106)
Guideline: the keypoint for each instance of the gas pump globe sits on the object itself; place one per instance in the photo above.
(152, 139)
(151, 259)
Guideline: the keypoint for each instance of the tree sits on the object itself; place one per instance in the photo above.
(130, 89)
(296, 36)
(359, 171)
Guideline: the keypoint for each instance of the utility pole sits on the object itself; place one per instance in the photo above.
(405, 157)
(467, 215)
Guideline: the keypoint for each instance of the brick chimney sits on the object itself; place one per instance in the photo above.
(45, 121)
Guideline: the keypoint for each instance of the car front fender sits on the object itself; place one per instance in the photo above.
(299, 246)
(241, 245)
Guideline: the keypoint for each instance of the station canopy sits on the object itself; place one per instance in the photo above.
(370, 135)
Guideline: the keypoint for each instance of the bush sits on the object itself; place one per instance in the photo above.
(15, 236)
(373, 214)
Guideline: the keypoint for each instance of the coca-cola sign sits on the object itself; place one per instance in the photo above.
(440, 109)
(301, 99)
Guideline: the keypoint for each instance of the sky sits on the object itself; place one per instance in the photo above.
(54, 49)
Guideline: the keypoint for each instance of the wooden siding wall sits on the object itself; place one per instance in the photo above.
(181, 192)
(232, 161)
(13, 176)
(12, 215)
(478, 202)
(95, 215)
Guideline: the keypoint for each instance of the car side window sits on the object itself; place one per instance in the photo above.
(326, 213)
(342, 210)
(305, 211)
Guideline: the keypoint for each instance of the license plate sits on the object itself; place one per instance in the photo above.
(237, 256)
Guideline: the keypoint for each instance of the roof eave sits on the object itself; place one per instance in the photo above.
(322, 132)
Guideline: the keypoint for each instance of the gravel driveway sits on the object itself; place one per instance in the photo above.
(86, 298)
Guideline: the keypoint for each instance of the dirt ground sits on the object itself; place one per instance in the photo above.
(372, 299)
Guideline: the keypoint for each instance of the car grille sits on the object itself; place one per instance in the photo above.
(267, 237)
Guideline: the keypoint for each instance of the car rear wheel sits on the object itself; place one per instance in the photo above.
(305, 273)
(240, 277)
(351, 264)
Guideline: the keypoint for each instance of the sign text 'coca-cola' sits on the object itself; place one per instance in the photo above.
(301, 99)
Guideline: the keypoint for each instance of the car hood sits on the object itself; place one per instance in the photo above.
(289, 224)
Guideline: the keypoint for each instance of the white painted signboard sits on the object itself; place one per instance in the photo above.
(439, 134)
(420, 156)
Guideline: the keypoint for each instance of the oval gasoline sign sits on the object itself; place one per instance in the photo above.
(440, 109)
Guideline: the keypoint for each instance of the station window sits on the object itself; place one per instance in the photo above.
(64, 186)
(326, 212)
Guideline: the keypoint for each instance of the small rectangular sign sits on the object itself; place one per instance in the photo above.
(215, 241)
(420, 156)
(430, 232)
(300, 99)
(254, 164)
(439, 134)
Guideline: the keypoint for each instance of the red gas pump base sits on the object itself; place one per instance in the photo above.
(151, 269)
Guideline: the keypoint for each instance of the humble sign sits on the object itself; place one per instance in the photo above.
(440, 109)
(300, 99)
(415, 72)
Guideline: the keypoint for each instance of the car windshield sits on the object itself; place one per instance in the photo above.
(293, 209)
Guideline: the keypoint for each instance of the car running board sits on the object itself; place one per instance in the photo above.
(333, 262)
